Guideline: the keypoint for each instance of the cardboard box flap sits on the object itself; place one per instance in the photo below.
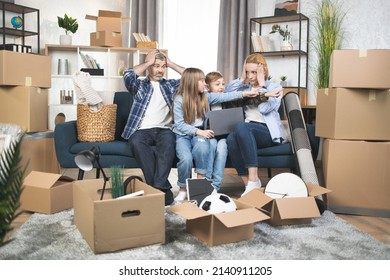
(105, 13)
(297, 207)
(41, 179)
(315, 190)
(256, 198)
(188, 211)
(241, 217)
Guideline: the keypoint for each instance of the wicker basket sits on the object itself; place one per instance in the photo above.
(96, 126)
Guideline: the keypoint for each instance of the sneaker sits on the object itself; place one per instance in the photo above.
(251, 186)
(181, 196)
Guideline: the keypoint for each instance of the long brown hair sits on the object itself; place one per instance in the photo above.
(194, 103)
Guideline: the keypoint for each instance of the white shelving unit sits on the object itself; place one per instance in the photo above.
(110, 59)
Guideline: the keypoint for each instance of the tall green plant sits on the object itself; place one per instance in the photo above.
(117, 189)
(328, 25)
(11, 183)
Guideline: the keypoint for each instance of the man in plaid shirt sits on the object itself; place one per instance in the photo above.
(148, 128)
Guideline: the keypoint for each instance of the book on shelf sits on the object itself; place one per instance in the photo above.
(89, 61)
(261, 43)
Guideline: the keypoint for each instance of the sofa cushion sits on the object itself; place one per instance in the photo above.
(116, 147)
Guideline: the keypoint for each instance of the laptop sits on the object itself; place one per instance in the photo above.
(198, 189)
(224, 121)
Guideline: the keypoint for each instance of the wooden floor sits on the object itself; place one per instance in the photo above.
(377, 227)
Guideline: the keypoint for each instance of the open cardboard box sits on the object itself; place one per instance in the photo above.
(217, 229)
(46, 193)
(110, 21)
(114, 224)
(287, 211)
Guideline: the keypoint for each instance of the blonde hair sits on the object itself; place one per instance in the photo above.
(257, 59)
(194, 103)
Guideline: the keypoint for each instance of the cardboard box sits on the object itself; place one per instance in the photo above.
(217, 229)
(25, 69)
(357, 173)
(46, 193)
(106, 39)
(109, 21)
(38, 153)
(114, 224)
(353, 114)
(24, 106)
(287, 211)
(360, 69)
(147, 45)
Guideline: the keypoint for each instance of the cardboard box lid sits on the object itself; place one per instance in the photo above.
(245, 214)
(297, 207)
(105, 13)
(315, 190)
(44, 180)
(256, 198)
(241, 217)
(188, 211)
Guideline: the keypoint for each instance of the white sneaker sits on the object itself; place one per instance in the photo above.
(251, 186)
(181, 196)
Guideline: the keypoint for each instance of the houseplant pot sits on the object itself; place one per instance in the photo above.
(65, 39)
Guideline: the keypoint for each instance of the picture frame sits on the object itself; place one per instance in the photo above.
(285, 8)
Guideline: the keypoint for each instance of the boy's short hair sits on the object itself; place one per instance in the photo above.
(213, 76)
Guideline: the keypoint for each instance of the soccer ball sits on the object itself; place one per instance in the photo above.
(218, 203)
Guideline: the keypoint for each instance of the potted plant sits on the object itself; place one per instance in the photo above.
(70, 25)
(327, 23)
(283, 81)
(285, 45)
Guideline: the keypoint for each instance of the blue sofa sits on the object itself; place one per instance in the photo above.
(119, 153)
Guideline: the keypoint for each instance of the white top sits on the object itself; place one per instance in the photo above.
(252, 113)
(157, 114)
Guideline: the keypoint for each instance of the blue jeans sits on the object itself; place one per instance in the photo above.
(154, 150)
(217, 161)
(191, 149)
(243, 144)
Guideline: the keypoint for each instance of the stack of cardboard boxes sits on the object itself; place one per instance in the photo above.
(24, 82)
(108, 29)
(353, 116)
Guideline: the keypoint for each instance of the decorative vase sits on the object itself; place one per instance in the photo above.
(65, 40)
(285, 44)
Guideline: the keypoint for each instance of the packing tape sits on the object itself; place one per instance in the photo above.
(39, 90)
(326, 91)
(114, 34)
(28, 81)
(97, 35)
(362, 53)
(371, 95)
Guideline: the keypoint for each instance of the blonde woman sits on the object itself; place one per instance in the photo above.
(262, 127)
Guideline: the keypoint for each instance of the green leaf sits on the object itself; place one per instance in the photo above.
(11, 184)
